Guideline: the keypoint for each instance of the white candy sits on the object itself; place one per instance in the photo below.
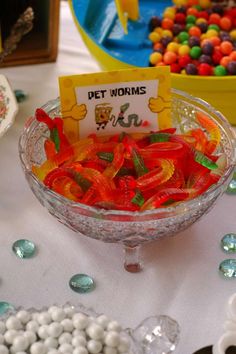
(3, 349)
(65, 338)
(80, 350)
(20, 343)
(95, 331)
(10, 335)
(43, 332)
(23, 316)
(55, 329)
(52, 308)
(65, 348)
(69, 311)
(79, 341)
(61, 331)
(114, 326)
(103, 320)
(31, 336)
(67, 325)
(109, 350)
(44, 318)
(77, 332)
(94, 346)
(32, 326)
(53, 351)
(124, 345)
(51, 342)
(112, 339)
(2, 327)
(34, 316)
(80, 320)
(58, 314)
(38, 348)
(13, 323)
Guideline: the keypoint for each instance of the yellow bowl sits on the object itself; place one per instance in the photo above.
(220, 92)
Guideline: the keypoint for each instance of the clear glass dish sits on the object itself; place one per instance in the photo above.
(132, 229)
(158, 334)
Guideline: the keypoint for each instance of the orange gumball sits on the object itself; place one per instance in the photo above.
(167, 23)
(233, 55)
(169, 57)
(192, 11)
(225, 61)
(192, 3)
(226, 47)
(195, 31)
(157, 45)
(225, 23)
(161, 64)
(215, 40)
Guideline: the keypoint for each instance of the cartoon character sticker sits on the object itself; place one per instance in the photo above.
(102, 114)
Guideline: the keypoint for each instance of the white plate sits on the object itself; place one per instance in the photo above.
(8, 105)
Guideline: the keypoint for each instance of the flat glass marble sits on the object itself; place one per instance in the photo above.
(228, 268)
(228, 243)
(82, 283)
(5, 307)
(24, 248)
(20, 95)
(232, 185)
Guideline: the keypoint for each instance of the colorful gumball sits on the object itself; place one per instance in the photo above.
(220, 70)
(195, 37)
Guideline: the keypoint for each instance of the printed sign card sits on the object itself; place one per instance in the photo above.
(133, 100)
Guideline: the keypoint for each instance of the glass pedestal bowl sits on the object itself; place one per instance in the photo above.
(132, 229)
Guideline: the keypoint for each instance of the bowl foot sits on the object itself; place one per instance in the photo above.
(132, 262)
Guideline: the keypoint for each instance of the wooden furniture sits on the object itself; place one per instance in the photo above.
(41, 43)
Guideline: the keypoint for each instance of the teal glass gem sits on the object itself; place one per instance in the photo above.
(5, 307)
(82, 283)
(232, 185)
(24, 248)
(228, 268)
(228, 243)
(20, 95)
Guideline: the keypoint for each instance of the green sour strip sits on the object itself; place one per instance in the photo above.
(138, 199)
(55, 138)
(204, 160)
(81, 181)
(107, 156)
(138, 162)
(159, 137)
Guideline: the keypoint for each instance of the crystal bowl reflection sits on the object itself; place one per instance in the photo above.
(129, 228)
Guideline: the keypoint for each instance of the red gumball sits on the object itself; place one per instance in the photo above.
(214, 19)
(184, 60)
(175, 68)
(203, 14)
(180, 18)
(205, 69)
(217, 56)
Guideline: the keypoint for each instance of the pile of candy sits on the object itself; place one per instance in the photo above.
(195, 37)
(133, 172)
(61, 330)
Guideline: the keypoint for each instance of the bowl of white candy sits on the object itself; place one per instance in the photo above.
(78, 330)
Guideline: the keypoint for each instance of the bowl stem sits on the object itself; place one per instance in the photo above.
(132, 259)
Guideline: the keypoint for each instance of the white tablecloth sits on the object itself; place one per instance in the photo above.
(180, 277)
